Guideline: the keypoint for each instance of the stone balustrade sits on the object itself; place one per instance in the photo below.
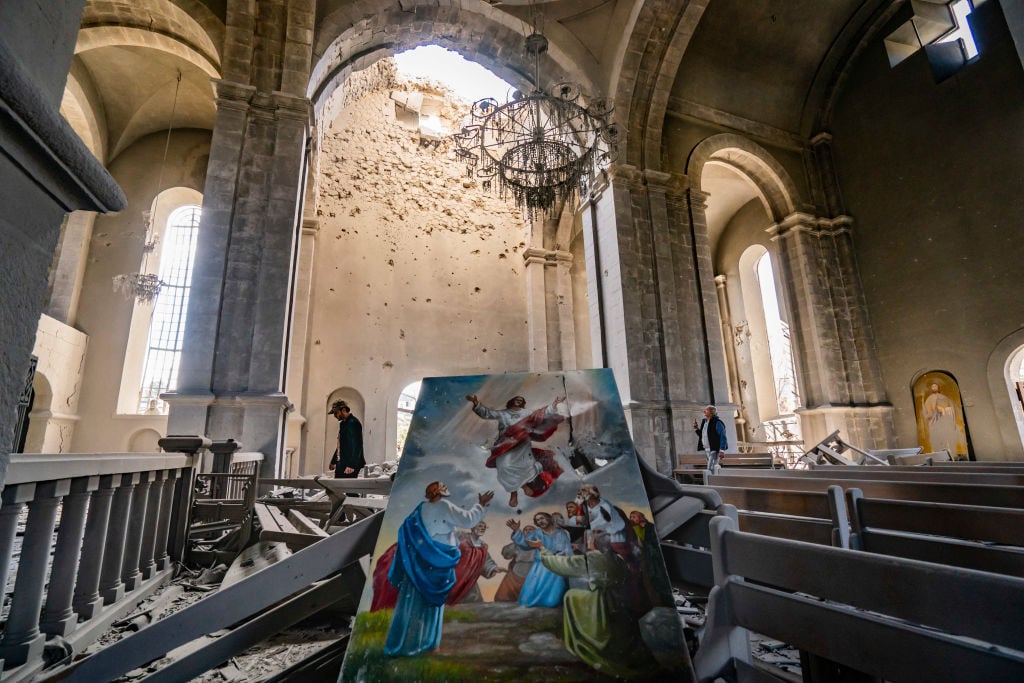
(114, 524)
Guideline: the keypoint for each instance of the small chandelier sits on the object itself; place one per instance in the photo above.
(145, 287)
(541, 148)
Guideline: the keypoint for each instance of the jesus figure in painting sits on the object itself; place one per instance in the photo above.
(519, 464)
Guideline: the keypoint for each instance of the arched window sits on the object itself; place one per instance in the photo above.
(167, 326)
(780, 343)
(153, 350)
(1014, 376)
(406, 404)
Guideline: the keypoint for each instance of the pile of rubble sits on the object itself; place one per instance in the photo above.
(692, 609)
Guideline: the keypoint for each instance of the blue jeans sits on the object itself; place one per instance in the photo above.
(712, 464)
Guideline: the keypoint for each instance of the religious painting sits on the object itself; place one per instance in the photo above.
(940, 415)
(517, 542)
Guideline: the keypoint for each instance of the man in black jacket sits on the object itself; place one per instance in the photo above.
(711, 438)
(348, 456)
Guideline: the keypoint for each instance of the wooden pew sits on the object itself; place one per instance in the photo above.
(294, 529)
(799, 515)
(681, 517)
(960, 494)
(895, 619)
(958, 535)
(690, 468)
(919, 474)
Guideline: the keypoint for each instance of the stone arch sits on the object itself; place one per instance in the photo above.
(144, 440)
(772, 183)
(649, 68)
(189, 22)
(110, 36)
(39, 416)
(356, 403)
(492, 38)
(83, 109)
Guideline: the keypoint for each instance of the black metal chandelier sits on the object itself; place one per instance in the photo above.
(540, 148)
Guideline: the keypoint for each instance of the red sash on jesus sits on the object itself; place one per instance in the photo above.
(537, 426)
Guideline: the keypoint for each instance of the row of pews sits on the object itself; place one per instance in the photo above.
(876, 572)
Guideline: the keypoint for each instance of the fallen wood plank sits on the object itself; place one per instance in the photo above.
(253, 559)
(232, 604)
(189, 662)
(304, 524)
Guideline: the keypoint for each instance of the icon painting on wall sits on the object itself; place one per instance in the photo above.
(940, 415)
(517, 542)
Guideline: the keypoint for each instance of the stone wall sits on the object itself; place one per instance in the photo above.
(931, 173)
(417, 272)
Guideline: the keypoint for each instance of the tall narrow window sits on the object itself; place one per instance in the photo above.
(780, 344)
(167, 326)
(406, 404)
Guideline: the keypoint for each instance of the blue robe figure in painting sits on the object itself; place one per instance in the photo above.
(423, 569)
(542, 588)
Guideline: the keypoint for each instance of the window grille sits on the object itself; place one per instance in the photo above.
(167, 325)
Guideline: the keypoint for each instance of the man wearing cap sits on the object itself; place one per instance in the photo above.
(348, 455)
(423, 568)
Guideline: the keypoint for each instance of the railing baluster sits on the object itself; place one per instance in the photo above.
(146, 561)
(164, 523)
(58, 617)
(111, 586)
(87, 600)
(22, 640)
(180, 515)
(130, 575)
(14, 499)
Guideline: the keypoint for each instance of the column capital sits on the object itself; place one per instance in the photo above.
(626, 174)
(720, 281)
(814, 225)
(698, 199)
(232, 95)
(669, 183)
(548, 257)
(310, 226)
(822, 138)
(793, 223)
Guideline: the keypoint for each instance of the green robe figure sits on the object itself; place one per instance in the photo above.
(593, 631)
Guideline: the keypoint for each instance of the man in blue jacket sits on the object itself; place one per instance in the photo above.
(711, 438)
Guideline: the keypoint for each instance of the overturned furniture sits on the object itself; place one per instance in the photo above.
(833, 450)
(238, 616)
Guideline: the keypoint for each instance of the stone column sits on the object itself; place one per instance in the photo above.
(735, 394)
(22, 640)
(659, 320)
(69, 269)
(840, 381)
(536, 305)
(87, 600)
(297, 343)
(564, 311)
(231, 379)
